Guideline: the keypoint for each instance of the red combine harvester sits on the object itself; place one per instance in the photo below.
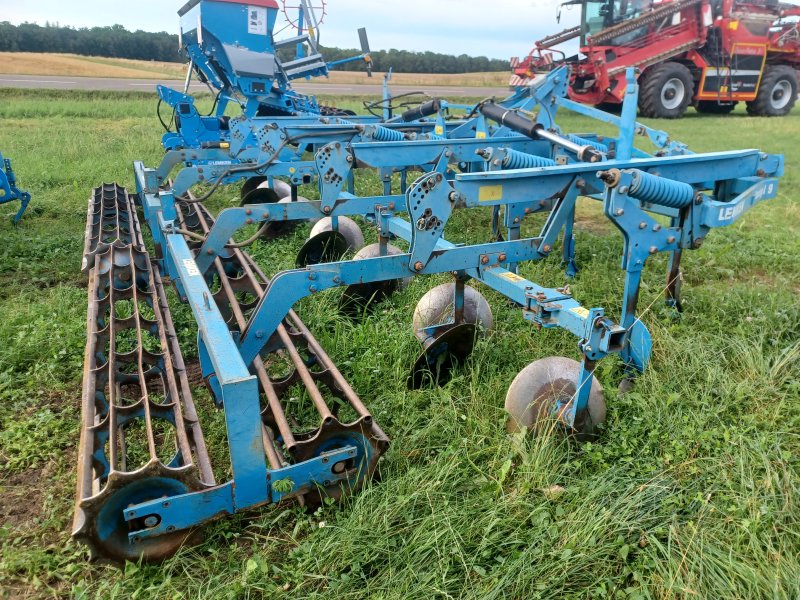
(708, 53)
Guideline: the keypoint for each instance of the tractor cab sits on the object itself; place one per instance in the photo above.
(598, 15)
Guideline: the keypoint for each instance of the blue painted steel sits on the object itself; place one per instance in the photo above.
(472, 163)
(9, 192)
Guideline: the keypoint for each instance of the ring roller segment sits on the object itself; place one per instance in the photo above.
(292, 432)
(140, 436)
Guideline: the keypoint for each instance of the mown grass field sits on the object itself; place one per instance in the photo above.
(691, 491)
(73, 65)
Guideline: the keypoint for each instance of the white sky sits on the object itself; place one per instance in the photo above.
(497, 28)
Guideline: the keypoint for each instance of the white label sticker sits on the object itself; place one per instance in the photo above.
(256, 20)
(191, 267)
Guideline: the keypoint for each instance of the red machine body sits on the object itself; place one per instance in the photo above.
(709, 53)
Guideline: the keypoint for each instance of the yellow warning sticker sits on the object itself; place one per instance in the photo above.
(580, 311)
(439, 130)
(490, 193)
(292, 170)
(480, 135)
(512, 277)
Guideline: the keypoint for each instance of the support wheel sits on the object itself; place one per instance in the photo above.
(709, 107)
(347, 227)
(451, 342)
(777, 92)
(544, 387)
(362, 296)
(266, 195)
(253, 183)
(665, 91)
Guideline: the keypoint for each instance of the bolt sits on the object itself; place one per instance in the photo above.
(248, 212)
(418, 266)
(349, 159)
(656, 227)
(671, 239)
(516, 219)
(453, 196)
(210, 252)
(391, 205)
(642, 225)
(580, 183)
(151, 521)
(265, 216)
(313, 289)
(249, 221)
(697, 243)
(546, 248)
(653, 249)
(698, 198)
(528, 211)
(496, 162)
(484, 260)
(623, 189)
(502, 257)
(327, 210)
(619, 212)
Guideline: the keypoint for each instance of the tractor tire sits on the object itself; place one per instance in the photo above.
(777, 93)
(710, 107)
(665, 91)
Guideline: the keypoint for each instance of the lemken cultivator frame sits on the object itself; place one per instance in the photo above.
(145, 478)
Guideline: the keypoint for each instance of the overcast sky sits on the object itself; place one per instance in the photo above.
(497, 28)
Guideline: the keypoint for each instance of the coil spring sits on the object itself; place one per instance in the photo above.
(384, 134)
(576, 139)
(658, 190)
(522, 160)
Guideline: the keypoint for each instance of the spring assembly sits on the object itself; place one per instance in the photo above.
(576, 139)
(384, 134)
(522, 160)
(658, 190)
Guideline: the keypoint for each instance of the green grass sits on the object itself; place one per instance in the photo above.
(692, 490)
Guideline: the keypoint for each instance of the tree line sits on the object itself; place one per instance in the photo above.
(118, 42)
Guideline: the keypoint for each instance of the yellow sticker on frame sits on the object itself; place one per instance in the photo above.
(490, 193)
(512, 277)
(580, 311)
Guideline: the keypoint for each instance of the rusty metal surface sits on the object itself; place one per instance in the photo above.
(297, 378)
(140, 436)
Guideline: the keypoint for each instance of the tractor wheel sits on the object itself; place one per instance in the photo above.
(710, 107)
(776, 94)
(665, 91)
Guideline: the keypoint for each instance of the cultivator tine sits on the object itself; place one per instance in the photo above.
(140, 436)
(238, 284)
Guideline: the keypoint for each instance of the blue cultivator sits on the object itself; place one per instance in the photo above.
(145, 479)
(9, 191)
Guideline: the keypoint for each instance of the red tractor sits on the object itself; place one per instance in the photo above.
(708, 53)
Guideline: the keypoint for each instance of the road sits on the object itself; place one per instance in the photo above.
(147, 85)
